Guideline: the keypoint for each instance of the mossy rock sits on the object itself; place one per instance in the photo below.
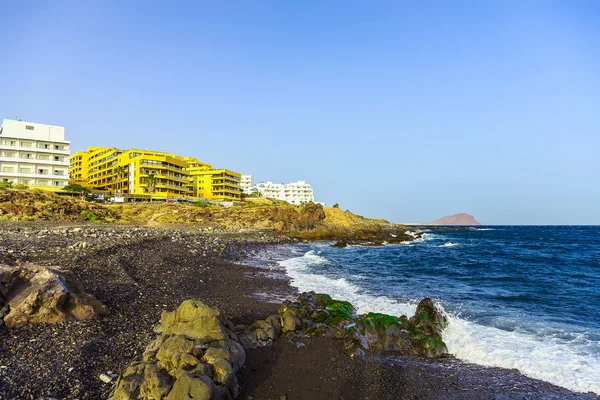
(422, 325)
(380, 321)
(323, 299)
(340, 311)
(320, 316)
(429, 347)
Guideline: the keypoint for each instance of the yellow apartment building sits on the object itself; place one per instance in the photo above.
(131, 172)
(152, 174)
(215, 184)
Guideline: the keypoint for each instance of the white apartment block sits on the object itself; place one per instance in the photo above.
(34, 154)
(294, 193)
(246, 183)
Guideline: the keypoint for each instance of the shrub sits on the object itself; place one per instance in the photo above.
(20, 186)
(90, 216)
(203, 204)
(5, 185)
(75, 188)
(336, 205)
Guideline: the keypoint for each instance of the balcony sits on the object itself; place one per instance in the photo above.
(168, 185)
(166, 166)
(33, 174)
(168, 176)
(35, 149)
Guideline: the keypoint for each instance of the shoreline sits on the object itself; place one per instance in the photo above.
(140, 271)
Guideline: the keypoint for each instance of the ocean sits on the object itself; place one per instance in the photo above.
(524, 297)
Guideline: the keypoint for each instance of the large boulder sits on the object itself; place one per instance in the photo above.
(428, 319)
(37, 294)
(426, 327)
(195, 356)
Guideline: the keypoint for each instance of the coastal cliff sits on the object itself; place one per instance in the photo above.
(308, 222)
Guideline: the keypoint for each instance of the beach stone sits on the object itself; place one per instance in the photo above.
(39, 294)
(289, 322)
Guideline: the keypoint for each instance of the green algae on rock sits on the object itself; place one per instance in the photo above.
(318, 314)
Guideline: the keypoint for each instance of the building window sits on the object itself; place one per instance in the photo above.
(25, 170)
(29, 127)
(43, 157)
(25, 144)
(8, 169)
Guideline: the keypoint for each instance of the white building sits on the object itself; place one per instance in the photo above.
(294, 193)
(246, 183)
(34, 154)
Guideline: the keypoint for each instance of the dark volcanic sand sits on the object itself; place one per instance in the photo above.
(139, 272)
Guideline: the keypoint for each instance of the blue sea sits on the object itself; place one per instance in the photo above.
(524, 297)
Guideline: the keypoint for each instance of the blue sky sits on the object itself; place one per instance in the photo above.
(403, 110)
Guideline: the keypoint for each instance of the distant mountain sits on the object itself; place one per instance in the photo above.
(456, 219)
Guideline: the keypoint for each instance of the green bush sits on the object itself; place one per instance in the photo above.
(75, 188)
(336, 205)
(90, 216)
(5, 185)
(203, 204)
(20, 186)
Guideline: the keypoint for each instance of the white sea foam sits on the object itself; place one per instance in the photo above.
(298, 270)
(450, 244)
(554, 360)
(550, 359)
(424, 238)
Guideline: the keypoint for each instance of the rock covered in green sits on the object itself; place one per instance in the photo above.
(195, 356)
(426, 327)
(319, 314)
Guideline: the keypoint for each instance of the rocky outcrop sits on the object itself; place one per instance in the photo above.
(288, 220)
(25, 205)
(198, 352)
(37, 294)
(195, 356)
(319, 314)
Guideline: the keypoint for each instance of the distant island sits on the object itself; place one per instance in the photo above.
(456, 219)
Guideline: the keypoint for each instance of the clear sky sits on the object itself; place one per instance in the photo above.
(403, 110)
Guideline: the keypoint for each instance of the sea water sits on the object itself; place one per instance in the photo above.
(519, 297)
